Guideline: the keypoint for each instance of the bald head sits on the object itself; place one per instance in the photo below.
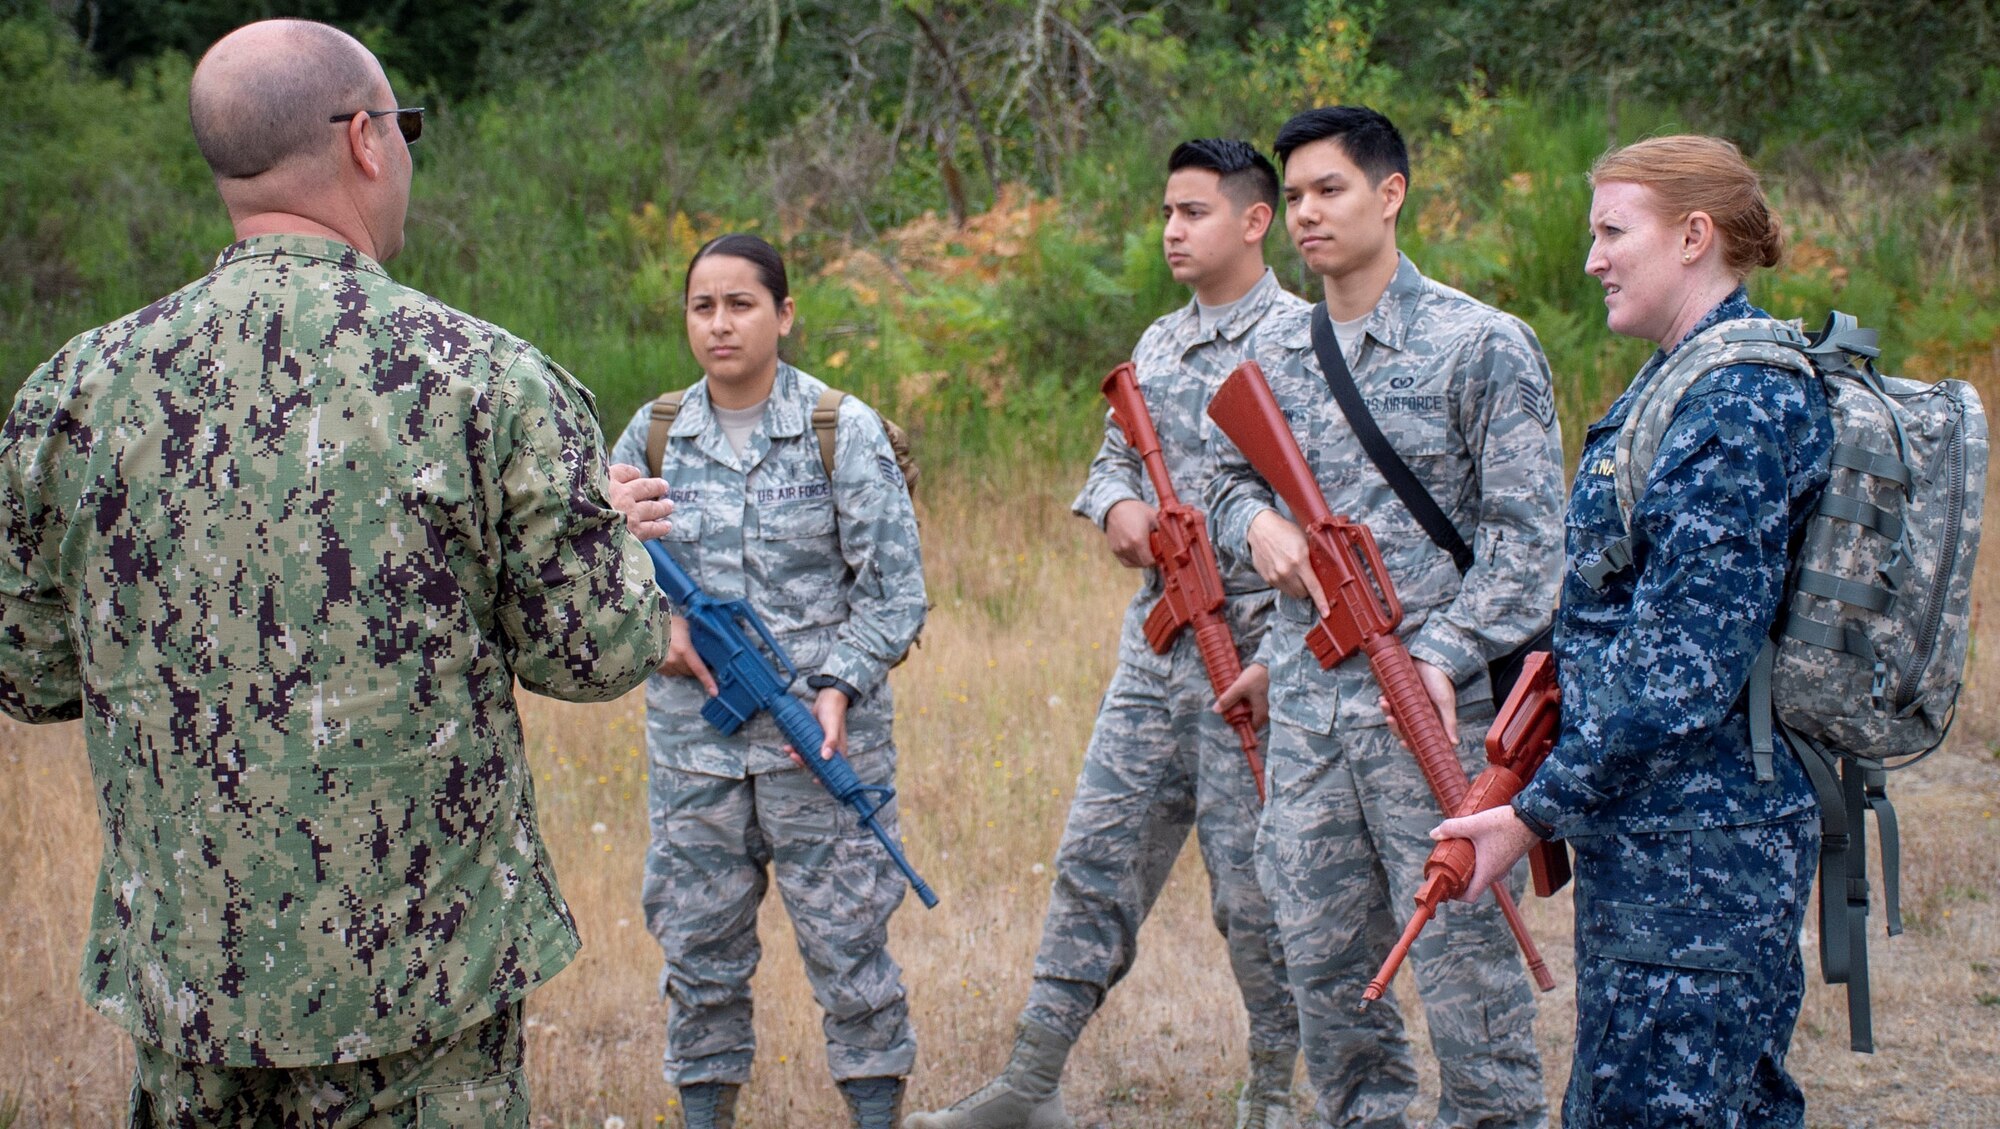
(262, 95)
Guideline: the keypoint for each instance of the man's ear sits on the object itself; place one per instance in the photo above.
(1394, 189)
(1256, 222)
(364, 147)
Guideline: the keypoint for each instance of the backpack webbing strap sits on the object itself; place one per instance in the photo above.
(1852, 920)
(1842, 339)
(1844, 637)
(1843, 881)
(1867, 515)
(665, 408)
(1853, 593)
(825, 423)
(1853, 456)
(1762, 744)
(1848, 788)
(1874, 781)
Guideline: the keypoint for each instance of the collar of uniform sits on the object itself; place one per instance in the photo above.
(693, 416)
(1186, 326)
(1250, 308)
(1393, 315)
(783, 417)
(317, 248)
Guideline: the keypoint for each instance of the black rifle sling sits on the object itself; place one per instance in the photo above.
(1501, 672)
(1400, 477)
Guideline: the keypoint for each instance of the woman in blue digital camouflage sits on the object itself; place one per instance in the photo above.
(812, 524)
(1694, 857)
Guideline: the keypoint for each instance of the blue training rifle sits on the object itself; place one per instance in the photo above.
(745, 682)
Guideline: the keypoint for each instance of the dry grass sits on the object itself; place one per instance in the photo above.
(996, 708)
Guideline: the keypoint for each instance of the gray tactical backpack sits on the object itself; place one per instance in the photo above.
(1864, 667)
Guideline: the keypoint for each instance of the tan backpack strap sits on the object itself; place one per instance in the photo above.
(826, 423)
(664, 410)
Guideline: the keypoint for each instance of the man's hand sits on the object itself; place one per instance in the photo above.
(642, 500)
(1278, 552)
(1498, 838)
(830, 710)
(1253, 686)
(1443, 695)
(682, 661)
(1128, 527)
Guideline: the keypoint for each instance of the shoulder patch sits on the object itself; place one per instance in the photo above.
(891, 473)
(1538, 399)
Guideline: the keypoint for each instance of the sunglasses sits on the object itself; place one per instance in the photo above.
(410, 120)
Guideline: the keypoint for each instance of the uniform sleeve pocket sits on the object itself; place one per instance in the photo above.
(496, 1101)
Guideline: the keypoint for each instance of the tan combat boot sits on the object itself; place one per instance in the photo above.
(1267, 1094)
(1025, 1096)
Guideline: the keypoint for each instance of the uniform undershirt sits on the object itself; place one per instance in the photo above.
(738, 423)
(1207, 317)
(1348, 334)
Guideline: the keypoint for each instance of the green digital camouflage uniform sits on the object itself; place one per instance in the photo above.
(1463, 393)
(285, 540)
(1160, 760)
(833, 568)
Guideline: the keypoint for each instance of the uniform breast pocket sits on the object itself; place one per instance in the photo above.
(685, 527)
(801, 552)
(1416, 434)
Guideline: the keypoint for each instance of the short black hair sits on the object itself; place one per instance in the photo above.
(1370, 140)
(1246, 175)
(738, 245)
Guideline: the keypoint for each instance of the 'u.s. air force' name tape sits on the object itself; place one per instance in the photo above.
(800, 492)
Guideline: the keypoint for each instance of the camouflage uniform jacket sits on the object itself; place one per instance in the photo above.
(1655, 730)
(832, 566)
(1463, 393)
(1179, 369)
(285, 540)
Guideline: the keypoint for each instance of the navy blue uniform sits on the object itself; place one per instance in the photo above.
(1692, 875)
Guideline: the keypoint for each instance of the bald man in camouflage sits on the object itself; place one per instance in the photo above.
(285, 540)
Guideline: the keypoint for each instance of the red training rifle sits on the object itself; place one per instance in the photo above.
(1516, 745)
(1190, 581)
(1362, 609)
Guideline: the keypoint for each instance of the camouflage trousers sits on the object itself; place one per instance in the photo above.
(717, 845)
(1689, 977)
(1341, 852)
(469, 1080)
(1160, 762)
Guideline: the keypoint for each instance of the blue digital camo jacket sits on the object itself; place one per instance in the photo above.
(1655, 730)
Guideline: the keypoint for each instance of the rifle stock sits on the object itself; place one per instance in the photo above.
(1191, 593)
(1362, 611)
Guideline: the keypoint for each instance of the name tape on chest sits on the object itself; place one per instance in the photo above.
(798, 492)
(1408, 403)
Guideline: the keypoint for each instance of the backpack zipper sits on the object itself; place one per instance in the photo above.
(1947, 554)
